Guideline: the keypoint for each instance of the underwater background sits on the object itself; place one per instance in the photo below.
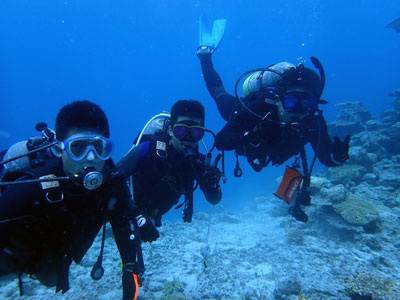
(136, 58)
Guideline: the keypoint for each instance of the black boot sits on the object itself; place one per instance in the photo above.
(298, 213)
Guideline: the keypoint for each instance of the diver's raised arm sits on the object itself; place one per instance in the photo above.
(209, 39)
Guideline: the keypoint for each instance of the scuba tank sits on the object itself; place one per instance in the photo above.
(264, 78)
(157, 123)
(29, 153)
(269, 83)
(17, 149)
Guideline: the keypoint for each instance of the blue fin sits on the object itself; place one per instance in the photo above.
(211, 36)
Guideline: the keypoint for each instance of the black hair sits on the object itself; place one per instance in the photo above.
(190, 108)
(81, 114)
(302, 77)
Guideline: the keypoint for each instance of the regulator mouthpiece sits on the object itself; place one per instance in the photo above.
(92, 180)
(189, 153)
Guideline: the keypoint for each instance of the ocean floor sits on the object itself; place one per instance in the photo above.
(261, 253)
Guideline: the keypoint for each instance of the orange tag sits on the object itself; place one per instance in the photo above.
(135, 278)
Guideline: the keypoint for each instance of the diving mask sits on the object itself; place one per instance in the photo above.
(299, 102)
(78, 146)
(181, 132)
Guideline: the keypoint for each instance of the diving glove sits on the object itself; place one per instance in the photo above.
(212, 174)
(340, 150)
(148, 232)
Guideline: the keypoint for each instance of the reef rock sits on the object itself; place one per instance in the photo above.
(391, 116)
(360, 156)
(347, 174)
(351, 119)
(335, 194)
(388, 170)
(373, 125)
(287, 286)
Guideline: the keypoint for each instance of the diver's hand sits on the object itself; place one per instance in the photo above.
(340, 150)
(212, 174)
(204, 51)
(209, 182)
(148, 232)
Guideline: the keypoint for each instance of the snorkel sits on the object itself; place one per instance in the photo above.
(317, 64)
(263, 90)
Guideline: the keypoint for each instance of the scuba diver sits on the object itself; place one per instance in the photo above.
(166, 164)
(278, 116)
(59, 197)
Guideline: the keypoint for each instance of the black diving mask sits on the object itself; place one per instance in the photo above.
(299, 103)
(187, 131)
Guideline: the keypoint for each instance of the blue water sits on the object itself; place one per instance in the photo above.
(136, 58)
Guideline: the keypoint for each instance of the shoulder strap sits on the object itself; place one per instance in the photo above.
(160, 140)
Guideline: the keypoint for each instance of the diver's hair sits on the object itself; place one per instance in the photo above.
(302, 77)
(81, 115)
(190, 108)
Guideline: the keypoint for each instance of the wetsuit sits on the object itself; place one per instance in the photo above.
(270, 139)
(160, 179)
(43, 229)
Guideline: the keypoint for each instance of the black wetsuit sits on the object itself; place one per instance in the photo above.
(271, 139)
(42, 230)
(160, 179)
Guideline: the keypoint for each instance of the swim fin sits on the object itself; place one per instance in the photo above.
(211, 36)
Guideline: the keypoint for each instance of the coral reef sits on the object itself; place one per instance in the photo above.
(376, 285)
(174, 290)
(356, 210)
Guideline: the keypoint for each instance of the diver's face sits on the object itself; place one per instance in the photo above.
(186, 133)
(89, 161)
(295, 104)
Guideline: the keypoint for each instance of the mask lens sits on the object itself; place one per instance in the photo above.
(290, 103)
(197, 133)
(99, 146)
(309, 104)
(299, 103)
(79, 146)
(180, 130)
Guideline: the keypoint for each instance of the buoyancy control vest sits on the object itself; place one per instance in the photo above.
(155, 132)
